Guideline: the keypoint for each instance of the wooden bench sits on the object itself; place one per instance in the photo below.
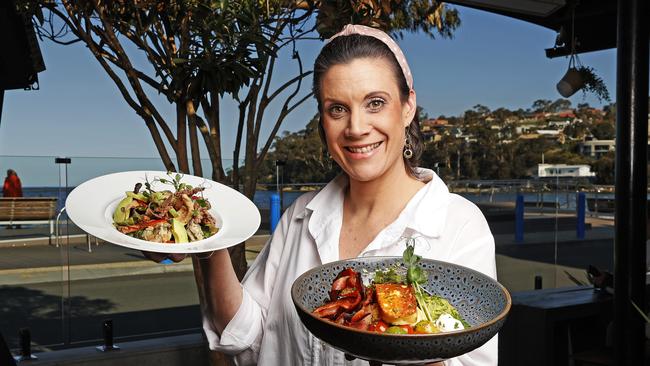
(28, 210)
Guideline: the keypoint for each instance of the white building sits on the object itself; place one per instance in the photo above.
(548, 133)
(597, 148)
(564, 170)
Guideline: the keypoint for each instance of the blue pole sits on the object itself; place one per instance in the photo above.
(580, 208)
(519, 219)
(275, 210)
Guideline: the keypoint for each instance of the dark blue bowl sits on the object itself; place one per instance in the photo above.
(481, 301)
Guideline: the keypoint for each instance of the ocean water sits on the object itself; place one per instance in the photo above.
(262, 198)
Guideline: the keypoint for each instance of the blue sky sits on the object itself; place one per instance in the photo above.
(493, 60)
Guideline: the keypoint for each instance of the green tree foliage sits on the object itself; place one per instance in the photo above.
(526, 155)
(427, 16)
(440, 155)
(559, 105)
(197, 51)
(604, 130)
(547, 106)
(604, 168)
(304, 155)
(559, 155)
(482, 144)
(577, 130)
(541, 105)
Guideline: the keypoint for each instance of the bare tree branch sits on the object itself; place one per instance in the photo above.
(133, 79)
(142, 76)
(238, 140)
(276, 127)
(288, 84)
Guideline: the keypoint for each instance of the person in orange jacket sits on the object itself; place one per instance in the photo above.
(12, 186)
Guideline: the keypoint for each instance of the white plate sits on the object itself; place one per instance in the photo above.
(91, 204)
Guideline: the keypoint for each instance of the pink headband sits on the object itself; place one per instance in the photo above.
(385, 38)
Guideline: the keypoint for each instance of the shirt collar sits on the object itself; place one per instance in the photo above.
(425, 213)
(326, 205)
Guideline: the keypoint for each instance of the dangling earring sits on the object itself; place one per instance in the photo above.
(408, 152)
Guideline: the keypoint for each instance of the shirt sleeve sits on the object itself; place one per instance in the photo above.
(243, 335)
(474, 248)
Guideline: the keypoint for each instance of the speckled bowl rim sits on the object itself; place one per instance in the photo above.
(473, 329)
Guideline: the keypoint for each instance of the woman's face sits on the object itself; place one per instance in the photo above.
(364, 118)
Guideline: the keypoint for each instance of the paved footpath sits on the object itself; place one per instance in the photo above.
(29, 261)
(35, 261)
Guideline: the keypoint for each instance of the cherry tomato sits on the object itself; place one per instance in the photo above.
(378, 326)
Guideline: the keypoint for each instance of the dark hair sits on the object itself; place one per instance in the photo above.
(343, 50)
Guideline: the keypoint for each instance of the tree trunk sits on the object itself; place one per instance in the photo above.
(194, 141)
(238, 259)
(181, 138)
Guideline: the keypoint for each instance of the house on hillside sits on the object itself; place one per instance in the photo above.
(567, 114)
(559, 125)
(564, 170)
(433, 129)
(596, 148)
(551, 135)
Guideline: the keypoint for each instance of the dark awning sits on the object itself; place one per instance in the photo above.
(595, 20)
(20, 56)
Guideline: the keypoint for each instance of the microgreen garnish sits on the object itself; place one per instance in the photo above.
(415, 276)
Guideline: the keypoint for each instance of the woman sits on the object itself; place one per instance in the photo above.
(367, 106)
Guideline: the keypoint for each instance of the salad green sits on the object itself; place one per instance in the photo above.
(166, 216)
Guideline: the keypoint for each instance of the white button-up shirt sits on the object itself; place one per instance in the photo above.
(266, 329)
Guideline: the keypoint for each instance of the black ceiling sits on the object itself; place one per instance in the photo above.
(595, 21)
(20, 56)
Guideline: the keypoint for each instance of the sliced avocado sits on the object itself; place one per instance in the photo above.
(137, 196)
(159, 197)
(123, 210)
(179, 232)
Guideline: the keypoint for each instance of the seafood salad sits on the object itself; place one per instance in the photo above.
(393, 301)
(166, 216)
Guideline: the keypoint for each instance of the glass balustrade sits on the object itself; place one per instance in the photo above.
(64, 288)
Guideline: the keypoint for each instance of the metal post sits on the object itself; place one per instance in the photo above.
(66, 318)
(275, 211)
(631, 180)
(25, 337)
(519, 219)
(580, 215)
(107, 332)
(279, 179)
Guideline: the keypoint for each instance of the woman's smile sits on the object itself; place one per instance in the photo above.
(362, 151)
